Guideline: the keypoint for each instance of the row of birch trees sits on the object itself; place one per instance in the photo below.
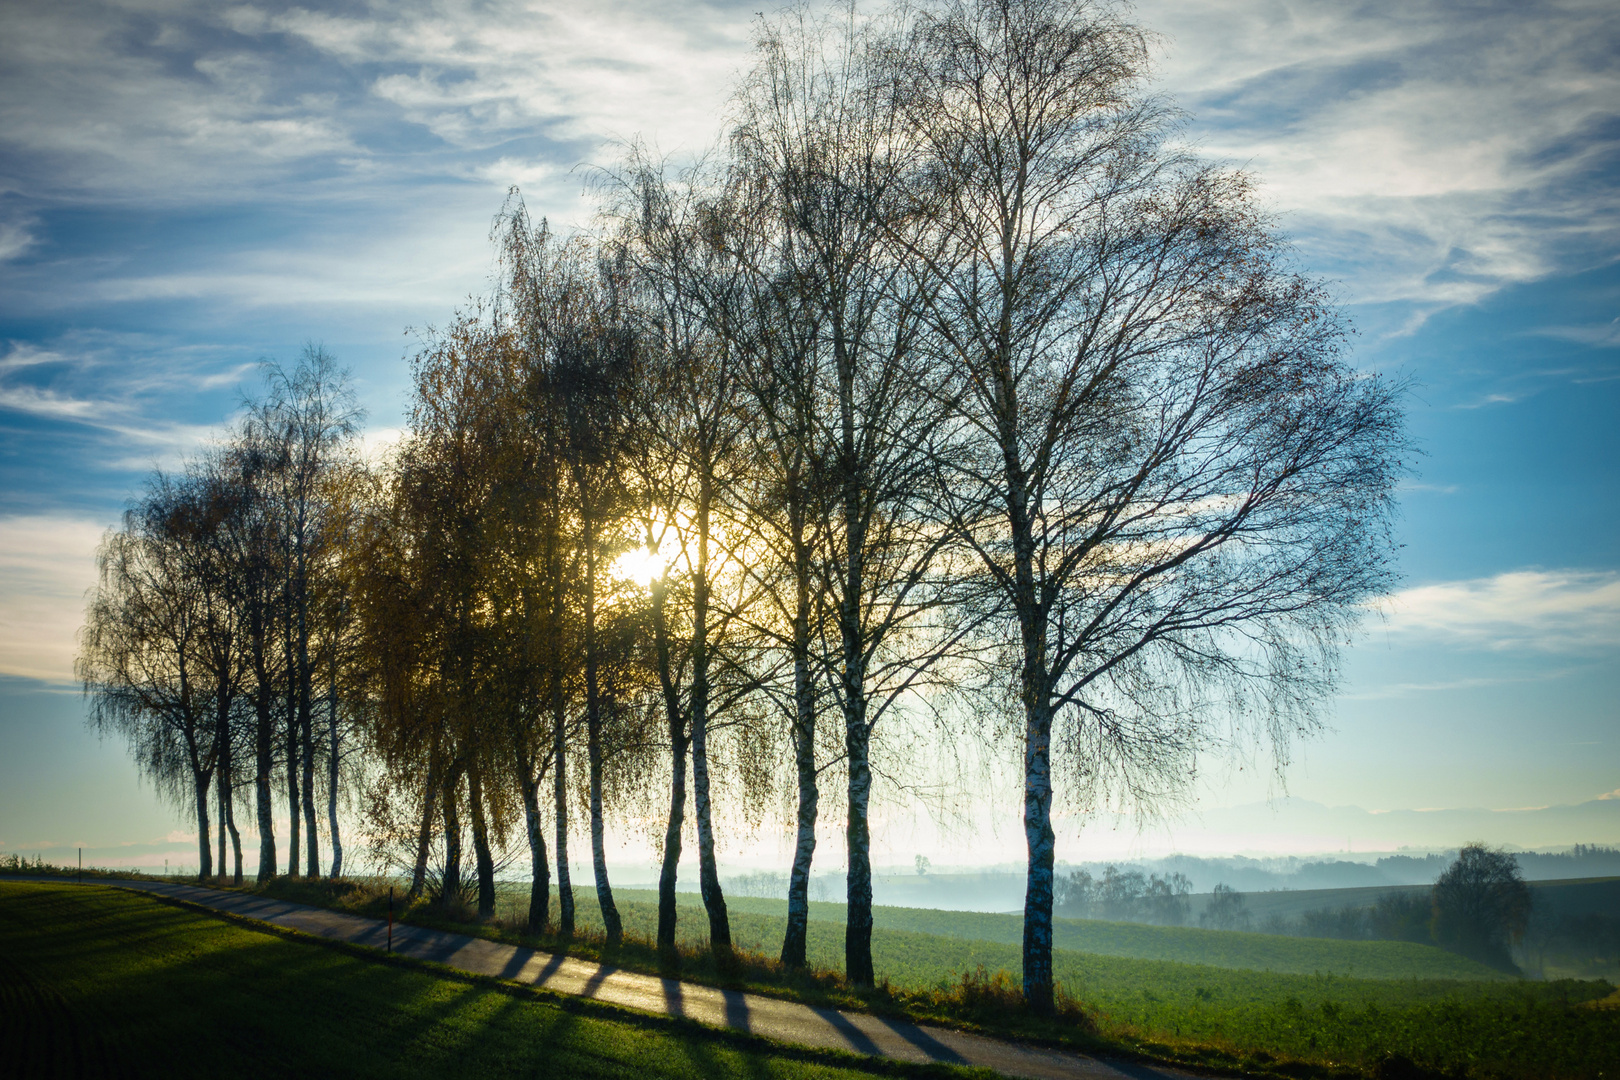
(947, 390)
(214, 637)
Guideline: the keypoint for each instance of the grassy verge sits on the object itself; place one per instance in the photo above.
(100, 982)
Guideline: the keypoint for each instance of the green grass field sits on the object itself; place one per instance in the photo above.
(1220, 948)
(758, 924)
(101, 982)
(1298, 1024)
(1420, 1002)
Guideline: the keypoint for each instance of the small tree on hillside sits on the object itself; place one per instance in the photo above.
(1481, 905)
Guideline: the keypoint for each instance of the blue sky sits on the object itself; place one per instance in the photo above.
(186, 188)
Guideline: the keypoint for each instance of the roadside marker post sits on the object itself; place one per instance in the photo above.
(390, 918)
(81, 866)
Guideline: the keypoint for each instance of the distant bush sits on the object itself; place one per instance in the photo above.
(1588, 944)
(1401, 916)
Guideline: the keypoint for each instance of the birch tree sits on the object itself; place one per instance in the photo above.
(1177, 485)
(821, 135)
(141, 653)
(692, 415)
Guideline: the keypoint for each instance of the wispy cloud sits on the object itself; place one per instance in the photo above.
(48, 403)
(16, 237)
(1542, 610)
(1599, 334)
(1430, 153)
(46, 565)
(124, 399)
(195, 100)
(1444, 686)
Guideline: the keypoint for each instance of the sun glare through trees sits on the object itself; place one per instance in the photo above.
(947, 386)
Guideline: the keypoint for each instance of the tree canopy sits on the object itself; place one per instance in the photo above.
(948, 390)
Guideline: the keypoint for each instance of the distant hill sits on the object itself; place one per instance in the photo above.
(1003, 890)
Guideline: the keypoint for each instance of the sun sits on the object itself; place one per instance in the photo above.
(640, 565)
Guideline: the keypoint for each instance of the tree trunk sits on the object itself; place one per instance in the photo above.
(306, 708)
(226, 769)
(559, 794)
(540, 888)
(611, 923)
(293, 831)
(593, 746)
(236, 838)
(332, 763)
(1039, 839)
(676, 721)
(219, 797)
(559, 724)
(481, 852)
(857, 735)
(1036, 690)
(263, 765)
(450, 885)
(668, 871)
(858, 837)
(804, 753)
(312, 837)
(708, 872)
(205, 853)
(424, 830)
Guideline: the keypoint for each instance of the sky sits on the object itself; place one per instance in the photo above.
(187, 188)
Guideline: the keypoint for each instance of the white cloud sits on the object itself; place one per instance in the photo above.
(1599, 334)
(1445, 686)
(24, 354)
(122, 388)
(1427, 153)
(1542, 610)
(46, 565)
(37, 401)
(1609, 796)
(16, 237)
(189, 101)
(378, 445)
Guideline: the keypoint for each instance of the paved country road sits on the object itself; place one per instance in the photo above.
(785, 1021)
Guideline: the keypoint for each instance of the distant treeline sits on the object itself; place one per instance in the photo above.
(1478, 906)
(1261, 875)
(1127, 895)
(1579, 944)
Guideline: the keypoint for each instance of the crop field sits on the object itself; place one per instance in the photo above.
(101, 982)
